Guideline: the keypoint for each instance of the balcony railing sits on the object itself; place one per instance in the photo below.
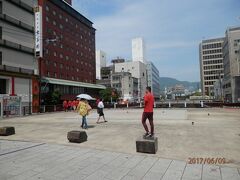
(16, 46)
(16, 22)
(16, 69)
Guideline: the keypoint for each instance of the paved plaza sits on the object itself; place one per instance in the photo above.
(40, 149)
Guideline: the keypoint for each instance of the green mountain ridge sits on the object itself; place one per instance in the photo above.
(171, 82)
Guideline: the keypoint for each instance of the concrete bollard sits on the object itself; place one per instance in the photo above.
(169, 104)
(201, 104)
(154, 104)
(185, 104)
(55, 108)
(115, 104)
(77, 136)
(6, 131)
(140, 104)
(127, 105)
(147, 145)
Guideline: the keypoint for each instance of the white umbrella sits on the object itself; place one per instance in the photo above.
(85, 96)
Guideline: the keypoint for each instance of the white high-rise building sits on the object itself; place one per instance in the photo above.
(101, 59)
(138, 50)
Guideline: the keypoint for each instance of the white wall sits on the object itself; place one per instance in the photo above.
(101, 60)
(138, 70)
(22, 88)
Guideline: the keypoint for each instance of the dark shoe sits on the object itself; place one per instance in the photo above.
(146, 135)
(150, 136)
(105, 121)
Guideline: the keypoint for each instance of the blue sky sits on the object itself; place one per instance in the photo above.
(172, 29)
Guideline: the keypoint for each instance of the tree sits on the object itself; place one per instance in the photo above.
(109, 93)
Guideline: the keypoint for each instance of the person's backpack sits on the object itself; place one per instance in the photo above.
(83, 109)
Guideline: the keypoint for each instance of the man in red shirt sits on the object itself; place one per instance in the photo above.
(148, 112)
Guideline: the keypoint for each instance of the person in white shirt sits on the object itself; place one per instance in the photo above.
(100, 107)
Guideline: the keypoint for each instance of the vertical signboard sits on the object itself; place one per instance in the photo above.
(38, 31)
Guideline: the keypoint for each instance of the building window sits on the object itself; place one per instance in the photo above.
(47, 8)
(54, 13)
(60, 16)
(55, 54)
(55, 64)
(0, 58)
(67, 58)
(61, 56)
(55, 75)
(48, 74)
(54, 23)
(66, 19)
(61, 26)
(47, 19)
(61, 66)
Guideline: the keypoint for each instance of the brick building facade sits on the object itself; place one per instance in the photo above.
(68, 49)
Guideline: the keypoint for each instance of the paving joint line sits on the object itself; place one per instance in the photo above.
(150, 167)
(134, 166)
(184, 170)
(220, 172)
(22, 149)
(166, 170)
(202, 171)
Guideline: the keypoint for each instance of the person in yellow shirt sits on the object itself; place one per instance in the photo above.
(83, 109)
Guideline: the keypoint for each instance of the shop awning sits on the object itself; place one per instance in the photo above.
(72, 83)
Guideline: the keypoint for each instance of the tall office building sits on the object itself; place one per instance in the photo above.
(138, 50)
(153, 79)
(231, 54)
(101, 60)
(211, 64)
(18, 65)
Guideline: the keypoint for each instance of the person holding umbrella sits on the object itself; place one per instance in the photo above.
(83, 108)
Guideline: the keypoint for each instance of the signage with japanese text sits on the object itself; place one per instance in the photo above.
(38, 31)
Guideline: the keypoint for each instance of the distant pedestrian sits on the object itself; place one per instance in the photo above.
(74, 105)
(69, 105)
(83, 109)
(148, 112)
(65, 105)
(100, 107)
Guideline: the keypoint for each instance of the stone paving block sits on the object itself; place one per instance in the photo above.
(149, 145)
(130, 177)
(211, 172)
(25, 175)
(101, 173)
(152, 176)
(175, 170)
(230, 173)
(133, 161)
(118, 173)
(121, 159)
(143, 167)
(193, 171)
(158, 169)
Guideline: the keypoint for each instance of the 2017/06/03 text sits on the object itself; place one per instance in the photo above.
(208, 160)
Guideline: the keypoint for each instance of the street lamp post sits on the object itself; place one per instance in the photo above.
(47, 41)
